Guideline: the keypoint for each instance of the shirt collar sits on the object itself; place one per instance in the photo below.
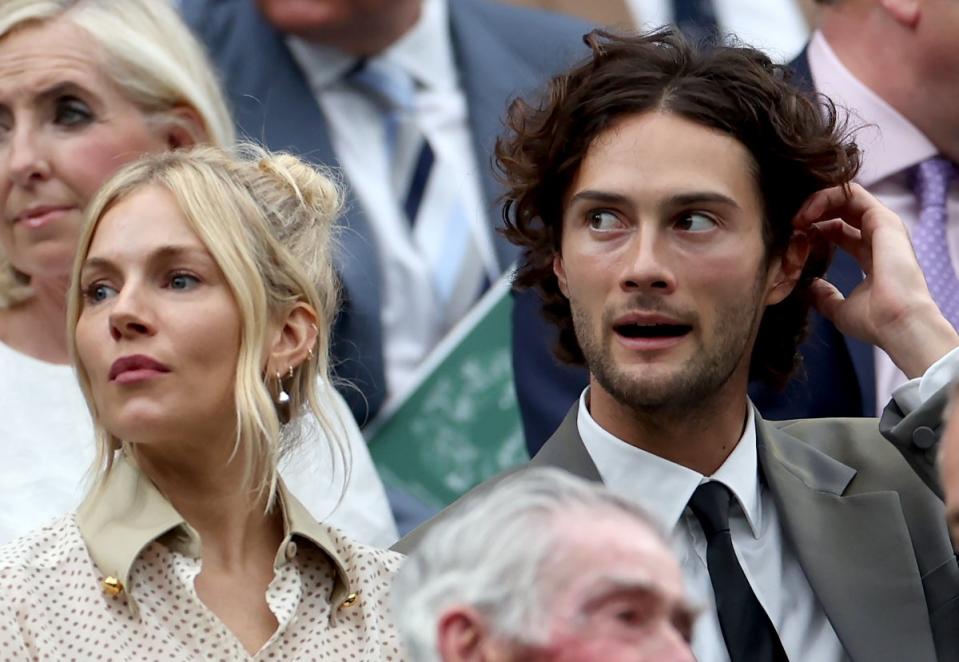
(890, 143)
(425, 52)
(662, 487)
(128, 512)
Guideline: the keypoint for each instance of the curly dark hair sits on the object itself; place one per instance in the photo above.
(796, 140)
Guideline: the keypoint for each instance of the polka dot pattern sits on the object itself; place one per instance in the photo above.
(932, 179)
(53, 607)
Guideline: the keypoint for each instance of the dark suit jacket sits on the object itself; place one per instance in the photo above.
(868, 532)
(501, 51)
(837, 377)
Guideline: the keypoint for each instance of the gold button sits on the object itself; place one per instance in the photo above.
(112, 586)
(349, 602)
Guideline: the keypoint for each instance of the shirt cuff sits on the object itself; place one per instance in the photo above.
(911, 395)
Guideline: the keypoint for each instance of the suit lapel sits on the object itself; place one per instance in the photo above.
(565, 450)
(855, 550)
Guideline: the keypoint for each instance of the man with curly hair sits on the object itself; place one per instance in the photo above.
(677, 209)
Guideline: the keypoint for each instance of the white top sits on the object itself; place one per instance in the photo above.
(46, 448)
(412, 318)
(328, 593)
(771, 567)
(774, 26)
(891, 146)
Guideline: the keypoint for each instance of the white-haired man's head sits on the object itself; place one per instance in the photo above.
(547, 567)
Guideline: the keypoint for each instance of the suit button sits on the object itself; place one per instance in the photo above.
(924, 437)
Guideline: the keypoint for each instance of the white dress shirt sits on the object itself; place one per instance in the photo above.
(664, 488)
(891, 145)
(413, 321)
(774, 26)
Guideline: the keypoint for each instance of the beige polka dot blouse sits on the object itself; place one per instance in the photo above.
(115, 581)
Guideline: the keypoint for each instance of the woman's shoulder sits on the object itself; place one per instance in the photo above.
(363, 559)
(47, 549)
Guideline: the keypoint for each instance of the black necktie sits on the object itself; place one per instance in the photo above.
(696, 18)
(747, 630)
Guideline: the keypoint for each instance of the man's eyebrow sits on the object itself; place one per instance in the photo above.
(677, 200)
(608, 584)
(701, 197)
(604, 197)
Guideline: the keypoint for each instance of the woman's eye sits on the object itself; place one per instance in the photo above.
(70, 111)
(602, 220)
(183, 282)
(695, 222)
(98, 292)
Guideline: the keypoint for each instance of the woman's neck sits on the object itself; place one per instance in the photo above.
(37, 327)
(232, 521)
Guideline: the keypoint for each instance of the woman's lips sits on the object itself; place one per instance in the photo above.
(136, 368)
(40, 216)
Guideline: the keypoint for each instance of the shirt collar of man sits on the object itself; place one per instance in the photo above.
(128, 513)
(662, 487)
(425, 52)
(890, 143)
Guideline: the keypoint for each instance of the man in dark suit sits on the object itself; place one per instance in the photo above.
(676, 210)
(419, 241)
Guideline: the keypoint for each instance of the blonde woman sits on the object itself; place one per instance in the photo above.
(199, 320)
(85, 87)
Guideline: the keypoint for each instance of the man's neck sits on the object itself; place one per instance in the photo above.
(699, 437)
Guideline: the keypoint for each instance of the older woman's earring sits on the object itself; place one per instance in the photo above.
(283, 397)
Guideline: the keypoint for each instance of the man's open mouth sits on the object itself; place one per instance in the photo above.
(632, 330)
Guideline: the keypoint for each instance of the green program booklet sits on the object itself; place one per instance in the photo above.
(459, 424)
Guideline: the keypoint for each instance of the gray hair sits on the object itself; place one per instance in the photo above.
(494, 556)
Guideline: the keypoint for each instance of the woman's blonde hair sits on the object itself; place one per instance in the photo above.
(267, 221)
(149, 54)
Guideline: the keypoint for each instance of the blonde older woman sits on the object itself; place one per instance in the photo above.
(85, 87)
(199, 321)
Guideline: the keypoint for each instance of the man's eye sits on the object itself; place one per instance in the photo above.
(183, 282)
(603, 221)
(695, 222)
(70, 111)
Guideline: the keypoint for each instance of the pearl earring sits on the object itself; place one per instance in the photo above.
(283, 397)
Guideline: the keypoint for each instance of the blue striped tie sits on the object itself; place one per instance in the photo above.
(442, 234)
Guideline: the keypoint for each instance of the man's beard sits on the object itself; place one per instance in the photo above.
(693, 384)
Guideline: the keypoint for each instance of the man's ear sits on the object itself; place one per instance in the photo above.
(293, 338)
(904, 12)
(183, 128)
(560, 270)
(786, 269)
(462, 636)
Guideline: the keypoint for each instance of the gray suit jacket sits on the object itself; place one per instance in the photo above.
(501, 52)
(869, 533)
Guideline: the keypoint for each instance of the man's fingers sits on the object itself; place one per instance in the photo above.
(826, 299)
(848, 238)
(849, 203)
